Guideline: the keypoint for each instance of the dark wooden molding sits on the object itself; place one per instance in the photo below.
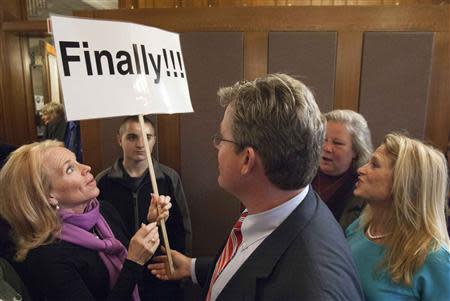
(306, 18)
(39, 27)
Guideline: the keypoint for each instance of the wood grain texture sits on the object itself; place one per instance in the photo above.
(19, 122)
(255, 54)
(92, 147)
(25, 26)
(251, 19)
(289, 3)
(437, 127)
(348, 70)
(169, 140)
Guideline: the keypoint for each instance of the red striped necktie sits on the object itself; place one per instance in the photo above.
(233, 243)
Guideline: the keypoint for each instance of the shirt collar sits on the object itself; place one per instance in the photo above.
(256, 226)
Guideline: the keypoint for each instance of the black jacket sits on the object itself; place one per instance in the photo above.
(65, 271)
(133, 208)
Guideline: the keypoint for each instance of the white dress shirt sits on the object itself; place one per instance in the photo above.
(255, 228)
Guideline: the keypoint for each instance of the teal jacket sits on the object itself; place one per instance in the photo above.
(430, 283)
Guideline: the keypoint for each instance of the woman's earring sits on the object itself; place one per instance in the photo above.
(56, 206)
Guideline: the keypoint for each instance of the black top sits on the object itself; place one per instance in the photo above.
(56, 129)
(5, 150)
(11, 286)
(64, 271)
(131, 198)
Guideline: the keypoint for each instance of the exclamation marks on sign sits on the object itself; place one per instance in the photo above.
(165, 60)
(172, 58)
(173, 63)
(181, 65)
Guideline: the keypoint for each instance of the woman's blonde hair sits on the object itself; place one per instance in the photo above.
(24, 190)
(356, 125)
(417, 219)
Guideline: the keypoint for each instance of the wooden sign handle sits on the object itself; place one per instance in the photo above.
(155, 191)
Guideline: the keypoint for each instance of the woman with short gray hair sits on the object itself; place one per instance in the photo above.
(347, 147)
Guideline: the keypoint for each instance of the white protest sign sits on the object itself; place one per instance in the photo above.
(112, 68)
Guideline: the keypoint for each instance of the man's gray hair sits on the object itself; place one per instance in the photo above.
(277, 116)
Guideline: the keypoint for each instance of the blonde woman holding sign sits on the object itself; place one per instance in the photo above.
(69, 245)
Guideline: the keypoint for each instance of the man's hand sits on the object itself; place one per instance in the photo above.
(164, 205)
(181, 265)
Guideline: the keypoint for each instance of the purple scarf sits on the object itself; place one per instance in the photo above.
(75, 229)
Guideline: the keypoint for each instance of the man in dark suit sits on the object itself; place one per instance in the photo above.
(287, 245)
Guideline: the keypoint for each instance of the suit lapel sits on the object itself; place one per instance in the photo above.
(242, 286)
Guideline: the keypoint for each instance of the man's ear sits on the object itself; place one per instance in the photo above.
(249, 160)
(119, 140)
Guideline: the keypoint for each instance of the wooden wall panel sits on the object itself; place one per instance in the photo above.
(437, 129)
(111, 150)
(212, 60)
(91, 137)
(255, 54)
(309, 56)
(424, 18)
(348, 70)
(18, 105)
(17, 120)
(12, 10)
(263, 19)
(249, 3)
(168, 141)
(394, 82)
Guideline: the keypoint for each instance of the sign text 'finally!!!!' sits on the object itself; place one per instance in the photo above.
(139, 62)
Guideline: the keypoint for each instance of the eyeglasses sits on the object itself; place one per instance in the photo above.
(217, 139)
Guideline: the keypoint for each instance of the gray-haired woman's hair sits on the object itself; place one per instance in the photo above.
(357, 126)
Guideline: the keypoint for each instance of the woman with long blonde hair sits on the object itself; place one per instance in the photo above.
(400, 243)
(68, 245)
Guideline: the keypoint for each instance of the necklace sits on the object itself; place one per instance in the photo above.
(374, 237)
